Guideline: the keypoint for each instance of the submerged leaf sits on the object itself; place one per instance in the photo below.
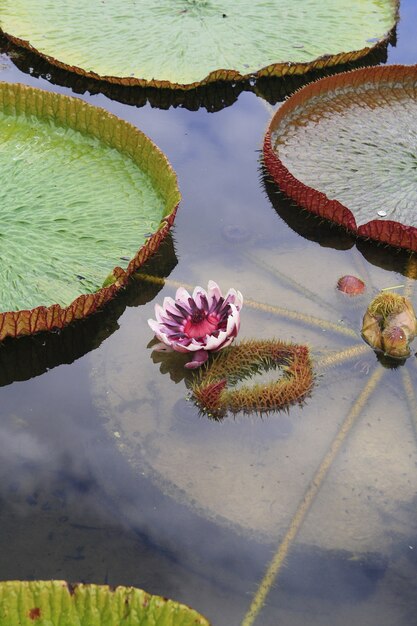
(57, 603)
(251, 473)
(182, 43)
(345, 149)
(82, 193)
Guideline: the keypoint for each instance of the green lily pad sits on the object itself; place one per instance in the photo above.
(181, 43)
(56, 603)
(344, 148)
(85, 199)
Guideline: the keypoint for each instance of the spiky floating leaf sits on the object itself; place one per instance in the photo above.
(56, 603)
(344, 148)
(82, 192)
(212, 387)
(183, 43)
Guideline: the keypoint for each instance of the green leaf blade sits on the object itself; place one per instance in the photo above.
(56, 603)
(83, 195)
(182, 43)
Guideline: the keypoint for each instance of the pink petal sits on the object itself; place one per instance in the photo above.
(159, 313)
(214, 343)
(196, 345)
(154, 326)
(239, 300)
(234, 297)
(213, 291)
(179, 348)
(169, 305)
(199, 358)
(182, 295)
(157, 329)
(197, 293)
(225, 344)
(233, 321)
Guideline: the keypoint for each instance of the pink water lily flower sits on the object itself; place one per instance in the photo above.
(202, 323)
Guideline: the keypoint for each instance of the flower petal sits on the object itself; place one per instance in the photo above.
(160, 314)
(197, 344)
(198, 293)
(234, 297)
(159, 334)
(213, 292)
(213, 320)
(233, 321)
(182, 296)
(226, 343)
(182, 309)
(154, 326)
(178, 347)
(199, 358)
(215, 343)
(169, 306)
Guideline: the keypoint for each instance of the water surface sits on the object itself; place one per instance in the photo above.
(108, 473)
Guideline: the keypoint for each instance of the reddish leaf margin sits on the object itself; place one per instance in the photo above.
(281, 69)
(384, 231)
(116, 133)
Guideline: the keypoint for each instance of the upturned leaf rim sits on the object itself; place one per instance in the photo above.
(388, 232)
(67, 111)
(281, 69)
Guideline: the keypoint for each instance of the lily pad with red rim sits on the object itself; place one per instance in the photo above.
(345, 149)
(85, 198)
(185, 43)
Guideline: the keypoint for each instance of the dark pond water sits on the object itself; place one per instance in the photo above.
(109, 475)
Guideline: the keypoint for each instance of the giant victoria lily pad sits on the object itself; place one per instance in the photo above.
(345, 148)
(183, 43)
(56, 603)
(84, 196)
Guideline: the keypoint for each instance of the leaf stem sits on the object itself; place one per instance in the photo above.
(266, 308)
(278, 559)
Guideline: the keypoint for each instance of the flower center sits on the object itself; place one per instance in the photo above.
(200, 324)
(197, 316)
